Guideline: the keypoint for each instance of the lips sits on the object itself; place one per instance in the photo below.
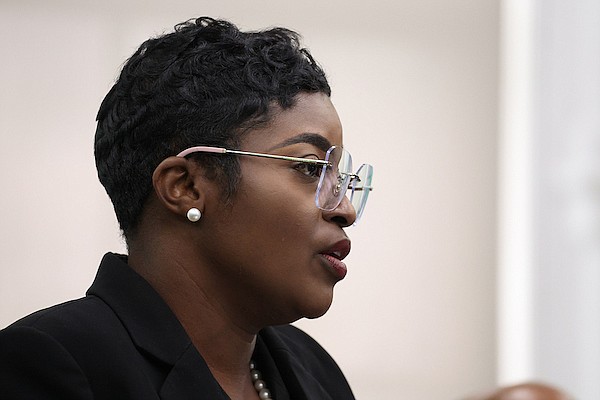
(334, 256)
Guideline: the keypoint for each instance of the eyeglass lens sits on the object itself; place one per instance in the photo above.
(334, 179)
(337, 178)
(361, 188)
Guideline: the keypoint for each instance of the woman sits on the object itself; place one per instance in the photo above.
(222, 155)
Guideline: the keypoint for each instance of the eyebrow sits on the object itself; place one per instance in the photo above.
(315, 139)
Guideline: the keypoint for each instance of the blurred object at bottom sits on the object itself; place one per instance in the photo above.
(524, 391)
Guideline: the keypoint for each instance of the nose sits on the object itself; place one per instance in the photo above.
(344, 214)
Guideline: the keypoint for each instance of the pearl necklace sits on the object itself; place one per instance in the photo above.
(259, 384)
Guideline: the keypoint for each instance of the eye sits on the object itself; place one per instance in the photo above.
(309, 169)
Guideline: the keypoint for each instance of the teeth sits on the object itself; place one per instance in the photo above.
(337, 254)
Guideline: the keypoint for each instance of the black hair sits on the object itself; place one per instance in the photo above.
(205, 83)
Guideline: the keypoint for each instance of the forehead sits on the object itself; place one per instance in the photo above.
(313, 119)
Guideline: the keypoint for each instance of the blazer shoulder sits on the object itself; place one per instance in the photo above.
(65, 318)
(35, 365)
(81, 341)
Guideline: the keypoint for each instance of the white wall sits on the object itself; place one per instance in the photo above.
(549, 286)
(415, 82)
(567, 288)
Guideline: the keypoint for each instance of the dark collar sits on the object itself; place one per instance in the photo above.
(154, 329)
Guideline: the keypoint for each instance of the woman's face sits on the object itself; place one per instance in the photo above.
(271, 249)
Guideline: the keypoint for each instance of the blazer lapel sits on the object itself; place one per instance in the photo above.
(283, 363)
(190, 378)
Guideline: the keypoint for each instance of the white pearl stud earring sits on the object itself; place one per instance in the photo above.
(194, 214)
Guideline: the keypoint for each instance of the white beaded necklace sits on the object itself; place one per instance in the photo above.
(259, 384)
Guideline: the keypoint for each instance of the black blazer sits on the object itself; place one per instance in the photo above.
(121, 341)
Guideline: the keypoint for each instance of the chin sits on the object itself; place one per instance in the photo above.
(317, 307)
(316, 315)
(308, 303)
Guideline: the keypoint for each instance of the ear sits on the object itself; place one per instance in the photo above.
(180, 185)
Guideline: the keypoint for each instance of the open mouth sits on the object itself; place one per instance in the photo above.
(339, 250)
(334, 256)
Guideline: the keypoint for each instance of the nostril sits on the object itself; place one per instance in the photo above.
(338, 219)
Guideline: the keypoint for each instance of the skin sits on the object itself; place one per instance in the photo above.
(255, 261)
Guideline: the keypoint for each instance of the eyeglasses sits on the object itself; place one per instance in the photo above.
(334, 172)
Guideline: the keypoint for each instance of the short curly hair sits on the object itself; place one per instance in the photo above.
(205, 83)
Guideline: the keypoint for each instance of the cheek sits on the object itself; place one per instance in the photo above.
(280, 213)
(284, 218)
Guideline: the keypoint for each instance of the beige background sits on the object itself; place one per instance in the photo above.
(416, 85)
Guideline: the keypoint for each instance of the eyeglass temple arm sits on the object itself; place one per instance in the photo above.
(201, 149)
(221, 150)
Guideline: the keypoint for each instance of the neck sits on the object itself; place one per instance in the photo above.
(220, 337)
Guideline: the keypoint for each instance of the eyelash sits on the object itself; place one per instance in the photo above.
(310, 170)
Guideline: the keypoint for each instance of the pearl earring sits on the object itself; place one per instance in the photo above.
(194, 214)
